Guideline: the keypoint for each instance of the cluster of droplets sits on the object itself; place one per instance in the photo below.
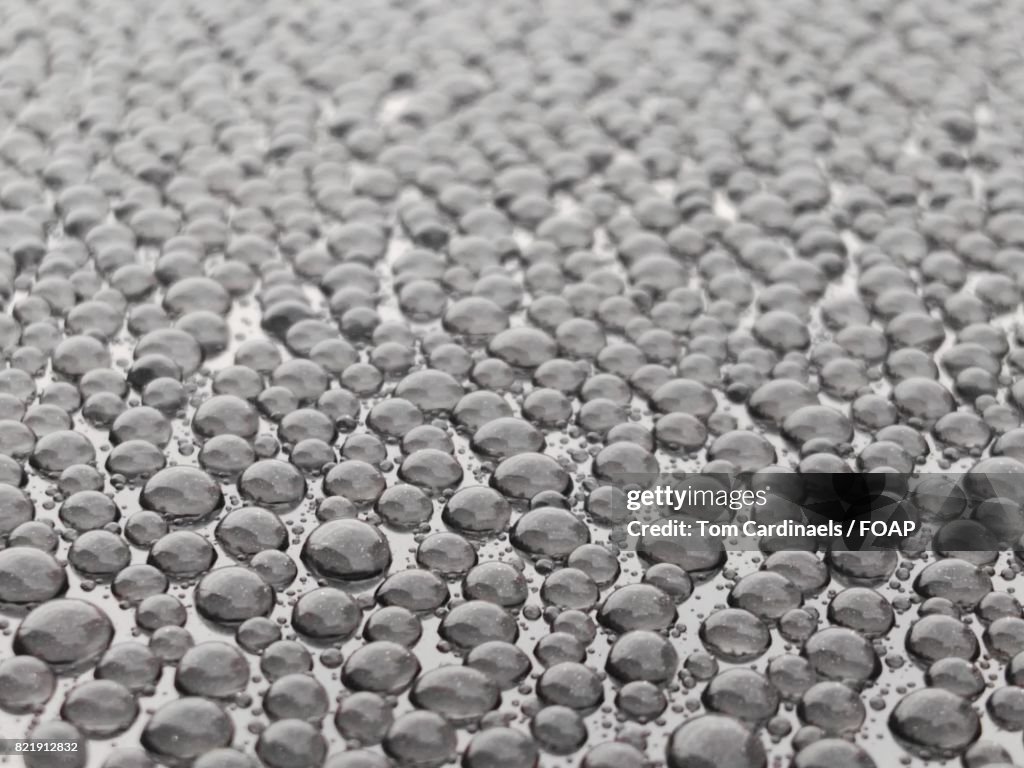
(331, 331)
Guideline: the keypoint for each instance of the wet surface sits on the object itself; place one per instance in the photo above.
(329, 329)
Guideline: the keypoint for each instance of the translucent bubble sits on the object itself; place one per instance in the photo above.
(525, 475)
(100, 708)
(935, 721)
(213, 669)
(29, 575)
(833, 707)
(420, 737)
(27, 684)
(842, 654)
(347, 549)
(559, 730)
(325, 614)
(549, 532)
(735, 635)
(273, 484)
(231, 595)
(181, 494)
(475, 622)
(743, 694)
(716, 740)
(65, 633)
(831, 752)
(500, 746)
(459, 693)
(296, 696)
(185, 728)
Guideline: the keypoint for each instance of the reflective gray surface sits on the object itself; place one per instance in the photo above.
(327, 322)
